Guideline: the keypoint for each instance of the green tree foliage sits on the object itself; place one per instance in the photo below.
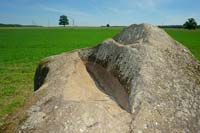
(190, 24)
(108, 25)
(63, 20)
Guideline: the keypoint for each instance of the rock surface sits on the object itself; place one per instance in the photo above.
(139, 81)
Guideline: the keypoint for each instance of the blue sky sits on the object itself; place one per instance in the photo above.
(99, 12)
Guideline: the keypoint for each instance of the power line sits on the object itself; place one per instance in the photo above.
(73, 21)
(34, 23)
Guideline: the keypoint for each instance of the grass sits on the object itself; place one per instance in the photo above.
(190, 38)
(21, 49)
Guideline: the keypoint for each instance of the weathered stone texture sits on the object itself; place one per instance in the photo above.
(139, 81)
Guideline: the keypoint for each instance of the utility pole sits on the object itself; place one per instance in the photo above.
(33, 22)
(73, 21)
(48, 23)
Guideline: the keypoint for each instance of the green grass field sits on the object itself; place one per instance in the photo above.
(190, 38)
(21, 49)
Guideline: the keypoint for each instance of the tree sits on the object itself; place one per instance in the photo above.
(63, 20)
(190, 24)
(108, 25)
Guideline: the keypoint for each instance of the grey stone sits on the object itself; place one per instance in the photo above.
(141, 80)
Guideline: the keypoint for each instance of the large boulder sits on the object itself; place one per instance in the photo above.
(139, 81)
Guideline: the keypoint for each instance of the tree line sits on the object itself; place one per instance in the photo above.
(189, 24)
(63, 20)
(17, 25)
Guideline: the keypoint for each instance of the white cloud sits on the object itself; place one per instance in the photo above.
(143, 4)
(118, 11)
(147, 4)
(70, 12)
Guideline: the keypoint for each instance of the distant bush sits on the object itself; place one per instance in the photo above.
(108, 25)
(190, 24)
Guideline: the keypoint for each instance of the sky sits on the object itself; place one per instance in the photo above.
(99, 12)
